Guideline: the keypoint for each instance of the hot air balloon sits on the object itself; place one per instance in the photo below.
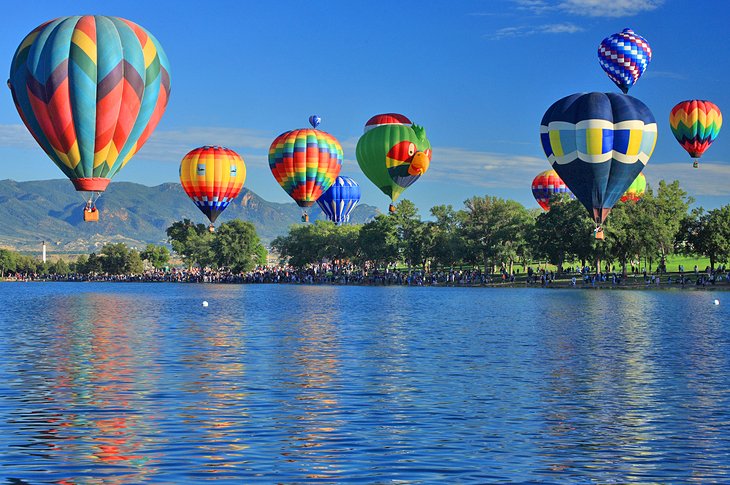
(545, 185)
(91, 90)
(315, 120)
(695, 124)
(636, 190)
(624, 56)
(340, 199)
(212, 176)
(305, 162)
(598, 143)
(393, 153)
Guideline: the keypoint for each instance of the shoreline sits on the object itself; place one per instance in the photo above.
(722, 285)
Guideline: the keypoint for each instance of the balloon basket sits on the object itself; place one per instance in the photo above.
(391, 209)
(695, 164)
(305, 217)
(211, 228)
(599, 233)
(91, 215)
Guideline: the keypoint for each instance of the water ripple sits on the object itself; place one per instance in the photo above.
(127, 384)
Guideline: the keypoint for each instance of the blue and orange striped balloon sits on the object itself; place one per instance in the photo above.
(90, 89)
(306, 163)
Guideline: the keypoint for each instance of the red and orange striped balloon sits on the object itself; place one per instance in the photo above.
(212, 176)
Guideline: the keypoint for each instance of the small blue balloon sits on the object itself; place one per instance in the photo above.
(340, 199)
(315, 120)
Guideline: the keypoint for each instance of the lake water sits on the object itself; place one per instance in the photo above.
(114, 383)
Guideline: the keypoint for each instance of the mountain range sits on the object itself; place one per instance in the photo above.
(135, 214)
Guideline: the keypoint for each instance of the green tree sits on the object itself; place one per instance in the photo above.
(8, 261)
(660, 218)
(342, 244)
(158, 256)
(708, 234)
(492, 228)
(192, 242)
(302, 245)
(564, 232)
(378, 241)
(79, 266)
(59, 267)
(92, 265)
(446, 244)
(237, 247)
(622, 234)
(115, 258)
(26, 264)
(134, 263)
(413, 238)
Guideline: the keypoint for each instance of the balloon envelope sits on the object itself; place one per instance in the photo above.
(340, 199)
(315, 120)
(545, 185)
(624, 56)
(695, 124)
(90, 89)
(305, 162)
(212, 176)
(636, 189)
(393, 153)
(598, 143)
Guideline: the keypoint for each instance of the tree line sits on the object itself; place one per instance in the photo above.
(496, 234)
(235, 246)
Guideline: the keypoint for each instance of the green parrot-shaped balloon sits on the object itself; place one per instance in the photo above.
(393, 153)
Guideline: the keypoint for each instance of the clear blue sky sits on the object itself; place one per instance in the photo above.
(478, 75)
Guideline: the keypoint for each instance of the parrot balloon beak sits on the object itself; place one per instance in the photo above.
(419, 164)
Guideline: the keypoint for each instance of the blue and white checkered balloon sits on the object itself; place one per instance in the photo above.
(624, 56)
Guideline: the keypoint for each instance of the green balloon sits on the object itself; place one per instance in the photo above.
(394, 154)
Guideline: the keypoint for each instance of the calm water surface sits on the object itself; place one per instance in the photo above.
(139, 383)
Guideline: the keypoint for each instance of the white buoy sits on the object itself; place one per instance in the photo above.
(205, 303)
(717, 302)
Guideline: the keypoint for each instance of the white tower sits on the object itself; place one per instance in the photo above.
(44, 251)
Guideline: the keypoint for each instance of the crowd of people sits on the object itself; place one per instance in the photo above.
(327, 274)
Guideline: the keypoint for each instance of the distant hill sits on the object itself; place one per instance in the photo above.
(51, 211)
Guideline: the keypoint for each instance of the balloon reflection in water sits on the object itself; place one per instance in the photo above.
(98, 385)
(213, 383)
(310, 363)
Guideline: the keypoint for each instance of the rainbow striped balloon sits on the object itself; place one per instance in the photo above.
(212, 176)
(545, 185)
(91, 90)
(695, 124)
(306, 163)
